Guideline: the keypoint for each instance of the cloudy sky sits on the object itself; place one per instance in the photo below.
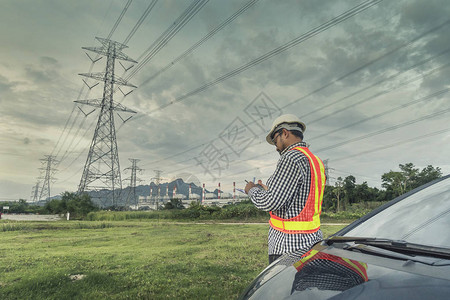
(369, 81)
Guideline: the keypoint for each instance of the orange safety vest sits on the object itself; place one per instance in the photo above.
(308, 220)
(357, 266)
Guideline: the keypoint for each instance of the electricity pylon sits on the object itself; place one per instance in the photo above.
(48, 162)
(35, 192)
(102, 168)
(327, 172)
(132, 193)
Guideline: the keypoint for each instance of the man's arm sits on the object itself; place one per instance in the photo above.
(281, 186)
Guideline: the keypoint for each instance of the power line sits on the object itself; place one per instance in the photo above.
(381, 93)
(391, 110)
(140, 21)
(170, 32)
(382, 56)
(390, 128)
(355, 93)
(329, 84)
(186, 151)
(65, 127)
(331, 23)
(124, 10)
(353, 173)
(51, 161)
(82, 87)
(414, 139)
(69, 148)
(193, 148)
(202, 40)
(387, 79)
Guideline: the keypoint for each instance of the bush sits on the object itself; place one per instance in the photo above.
(195, 211)
(21, 206)
(77, 205)
(241, 211)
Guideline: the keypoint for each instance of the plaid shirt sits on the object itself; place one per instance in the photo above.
(288, 190)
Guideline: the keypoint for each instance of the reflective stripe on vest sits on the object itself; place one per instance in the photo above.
(358, 267)
(308, 220)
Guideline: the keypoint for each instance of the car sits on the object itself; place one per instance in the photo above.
(400, 250)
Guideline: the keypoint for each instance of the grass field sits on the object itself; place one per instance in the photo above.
(130, 259)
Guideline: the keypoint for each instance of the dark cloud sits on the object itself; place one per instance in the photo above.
(333, 70)
(38, 76)
(45, 61)
(416, 14)
(6, 87)
(46, 72)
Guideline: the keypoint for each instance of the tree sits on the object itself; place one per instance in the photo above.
(56, 206)
(363, 193)
(18, 207)
(77, 205)
(392, 182)
(174, 204)
(397, 183)
(428, 174)
(409, 176)
(349, 189)
(328, 198)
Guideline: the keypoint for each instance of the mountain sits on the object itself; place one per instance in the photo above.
(104, 199)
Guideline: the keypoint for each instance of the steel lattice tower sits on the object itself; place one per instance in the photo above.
(48, 162)
(132, 193)
(102, 168)
(35, 192)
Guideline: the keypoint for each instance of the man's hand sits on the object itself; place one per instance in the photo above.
(262, 185)
(252, 185)
(249, 186)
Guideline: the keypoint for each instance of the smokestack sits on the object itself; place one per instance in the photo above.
(218, 193)
(204, 193)
(234, 190)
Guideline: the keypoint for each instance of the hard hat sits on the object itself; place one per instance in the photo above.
(289, 122)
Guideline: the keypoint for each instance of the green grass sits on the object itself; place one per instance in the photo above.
(233, 214)
(130, 259)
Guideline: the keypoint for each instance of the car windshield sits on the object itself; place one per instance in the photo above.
(422, 218)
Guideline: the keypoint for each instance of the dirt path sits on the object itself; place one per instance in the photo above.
(19, 217)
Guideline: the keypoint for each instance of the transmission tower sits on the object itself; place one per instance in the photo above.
(132, 193)
(35, 192)
(102, 168)
(47, 163)
(327, 172)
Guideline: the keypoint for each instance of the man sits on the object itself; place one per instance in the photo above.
(293, 194)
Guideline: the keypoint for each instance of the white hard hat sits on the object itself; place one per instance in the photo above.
(289, 122)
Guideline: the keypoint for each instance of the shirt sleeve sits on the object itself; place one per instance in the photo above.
(281, 186)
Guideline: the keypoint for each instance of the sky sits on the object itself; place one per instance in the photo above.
(370, 83)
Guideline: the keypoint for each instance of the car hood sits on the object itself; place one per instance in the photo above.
(329, 272)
